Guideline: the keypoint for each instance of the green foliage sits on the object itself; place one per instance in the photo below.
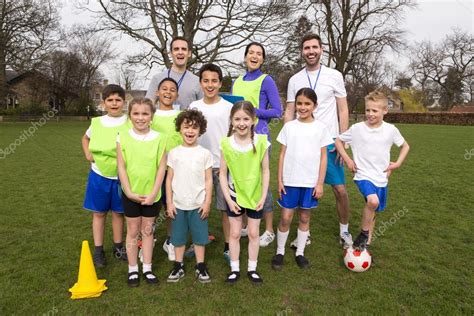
(412, 100)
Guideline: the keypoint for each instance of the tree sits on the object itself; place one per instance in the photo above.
(126, 76)
(215, 28)
(293, 52)
(352, 30)
(26, 34)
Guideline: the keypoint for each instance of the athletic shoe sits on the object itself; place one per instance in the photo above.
(244, 232)
(227, 256)
(345, 240)
(294, 243)
(266, 238)
(120, 253)
(277, 262)
(189, 253)
(133, 279)
(169, 249)
(361, 242)
(99, 259)
(202, 274)
(150, 278)
(302, 262)
(177, 273)
(254, 277)
(232, 277)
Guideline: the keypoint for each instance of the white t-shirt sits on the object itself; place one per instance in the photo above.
(303, 143)
(218, 120)
(371, 150)
(329, 86)
(189, 167)
(107, 121)
(151, 135)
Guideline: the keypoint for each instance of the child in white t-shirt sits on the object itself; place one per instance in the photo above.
(189, 193)
(301, 172)
(370, 142)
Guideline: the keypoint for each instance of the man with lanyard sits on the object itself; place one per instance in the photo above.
(189, 89)
(331, 110)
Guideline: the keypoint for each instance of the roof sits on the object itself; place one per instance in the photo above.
(462, 109)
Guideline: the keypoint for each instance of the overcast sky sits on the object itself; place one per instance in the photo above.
(431, 20)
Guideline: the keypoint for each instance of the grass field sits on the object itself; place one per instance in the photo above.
(423, 258)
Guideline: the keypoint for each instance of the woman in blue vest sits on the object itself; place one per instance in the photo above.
(260, 89)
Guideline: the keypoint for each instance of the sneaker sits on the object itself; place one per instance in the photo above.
(133, 279)
(189, 253)
(302, 262)
(120, 253)
(177, 273)
(150, 278)
(361, 242)
(254, 277)
(169, 249)
(244, 232)
(202, 274)
(266, 238)
(227, 256)
(232, 277)
(294, 243)
(99, 259)
(345, 240)
(277, 262)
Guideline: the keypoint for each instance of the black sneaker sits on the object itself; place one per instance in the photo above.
(361, 242)
(177, 273)
(277, 262)
(233, 277)
(150, 278)
(120, 253)
(99, 259)
(302, 262)
(133, 279)
(254, 277)
(202, 274)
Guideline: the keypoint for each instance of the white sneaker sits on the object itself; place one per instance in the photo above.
(294, 243)
(169, 249)
(266, 238)
(345, 240)
(244, 232)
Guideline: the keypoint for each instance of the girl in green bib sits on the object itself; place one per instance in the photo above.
(244, 177)
(141, 161)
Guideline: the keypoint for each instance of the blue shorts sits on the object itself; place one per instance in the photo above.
(103, 194)
(297, 197)
(189, 221)
(335, 170)
(367, 188)
(250, 213)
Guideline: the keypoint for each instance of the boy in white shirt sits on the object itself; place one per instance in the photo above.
(216, 110)
(370, 142)
(189, 193)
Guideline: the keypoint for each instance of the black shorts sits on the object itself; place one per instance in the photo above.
(250, 213)
(134, 209)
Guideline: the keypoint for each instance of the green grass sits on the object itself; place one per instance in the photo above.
(423, 260)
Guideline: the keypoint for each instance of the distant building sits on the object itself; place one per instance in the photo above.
(469, 108)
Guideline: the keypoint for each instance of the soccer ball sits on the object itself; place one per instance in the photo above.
(357, 260)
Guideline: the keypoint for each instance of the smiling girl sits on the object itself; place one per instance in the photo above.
(141, 163)
(244, 178)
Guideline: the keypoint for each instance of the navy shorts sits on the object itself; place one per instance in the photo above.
(250, 213)
(189, 221)
(297, 197)
(335, 170)
(367, 188)
(134, 209)
(103, 194)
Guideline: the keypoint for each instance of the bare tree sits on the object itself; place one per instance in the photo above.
(215, 28)
(26, 33)
(126, 76)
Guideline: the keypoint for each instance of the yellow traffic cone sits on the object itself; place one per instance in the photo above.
(87, 285)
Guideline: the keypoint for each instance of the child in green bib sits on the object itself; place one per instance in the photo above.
(244, 177)
(141, 160)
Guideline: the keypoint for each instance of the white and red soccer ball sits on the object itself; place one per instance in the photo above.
(357, 260)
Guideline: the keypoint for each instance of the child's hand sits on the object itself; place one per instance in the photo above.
(391, 166)
(136, 197)
(318, 191)
(149, 200)
(171, 211)
(234, 207)
(281, 188)
(89, 156)
(204, 210)
(351, 165)
(260, 204)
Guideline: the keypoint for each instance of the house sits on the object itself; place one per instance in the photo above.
(395, 103)
(463, 108)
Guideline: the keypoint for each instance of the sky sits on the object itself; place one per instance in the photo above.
(431, 20)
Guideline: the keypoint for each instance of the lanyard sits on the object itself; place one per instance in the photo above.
(180, 79)
(317, 78)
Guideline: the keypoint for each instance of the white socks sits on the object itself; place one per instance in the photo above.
(146, 267)
(234, 266)
(301, 242)
(281, 241)
(252, 265)
(343, 228)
